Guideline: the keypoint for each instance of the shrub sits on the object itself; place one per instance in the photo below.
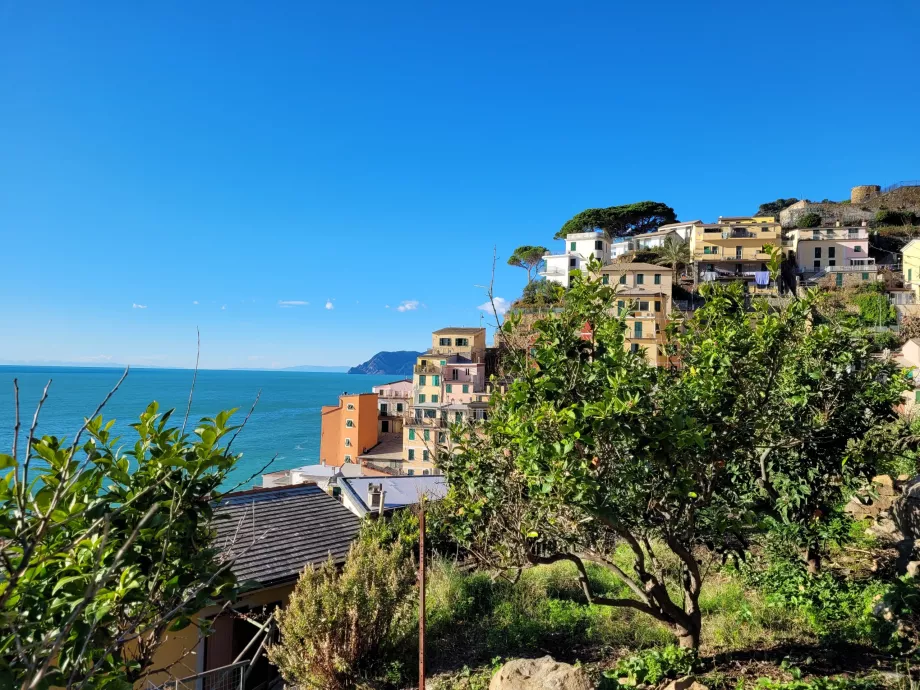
(652, 666)
(888, 217)
(339, 626)
(910, 328)
(808, 220)
(875, 309)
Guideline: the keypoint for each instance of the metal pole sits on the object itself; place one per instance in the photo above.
(421, 594)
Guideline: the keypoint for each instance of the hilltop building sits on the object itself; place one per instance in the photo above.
(732, 249)
(841, 252)
(644, 295)
(581, 247)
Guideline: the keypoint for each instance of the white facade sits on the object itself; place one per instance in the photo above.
(580, 248)
(655, 240)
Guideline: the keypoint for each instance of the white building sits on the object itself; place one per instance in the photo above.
(656, 239)
(580, 248)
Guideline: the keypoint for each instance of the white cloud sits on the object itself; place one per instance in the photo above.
(408, 305)
(501, 306)
(195, 302)
(292, 303)
(329, 304)
(224, 308)
(138, 306)
(386, 306)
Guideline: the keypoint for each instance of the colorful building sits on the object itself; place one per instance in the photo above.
(733, 248)
(580, 248)
(393, 400)
(841, 252)
(348, 429)
(910, 266)
(643, 294)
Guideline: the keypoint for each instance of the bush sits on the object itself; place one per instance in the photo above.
(888, 217)
(340, 626)
(808, 220)
(652, 666)
(875, 309)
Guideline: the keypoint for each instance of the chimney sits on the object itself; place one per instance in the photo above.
(383, 495)
(375, 497)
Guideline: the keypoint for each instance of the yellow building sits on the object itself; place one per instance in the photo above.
(643, 291)
(910, 266)
(733, 247)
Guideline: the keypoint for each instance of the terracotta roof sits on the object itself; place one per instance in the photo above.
(274, 533)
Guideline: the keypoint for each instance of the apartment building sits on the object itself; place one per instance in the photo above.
(841, 252)
(393, 400)
(910, 266)
(580, 248)
(348, 429)
(643, 294)
(733, 248)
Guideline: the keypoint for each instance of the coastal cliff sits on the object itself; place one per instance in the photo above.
(391, 363)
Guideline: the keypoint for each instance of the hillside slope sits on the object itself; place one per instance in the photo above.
(397, 363)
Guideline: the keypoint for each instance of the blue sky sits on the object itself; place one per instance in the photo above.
(207, 161)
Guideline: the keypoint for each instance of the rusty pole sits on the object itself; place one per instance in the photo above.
(421, 594)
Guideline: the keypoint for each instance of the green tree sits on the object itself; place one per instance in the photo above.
(616, 221)
(874, 307)
(338, 625)
(540, 293)
(772, 208)
(104, 551)
(529, 258)
(808, 220)
(674, 253)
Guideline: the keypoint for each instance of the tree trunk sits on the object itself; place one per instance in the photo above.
(813, 560)
(688, 637)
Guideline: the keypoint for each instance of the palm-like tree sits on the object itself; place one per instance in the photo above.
(674, 253)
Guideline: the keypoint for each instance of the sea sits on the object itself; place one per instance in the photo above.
(285, 423)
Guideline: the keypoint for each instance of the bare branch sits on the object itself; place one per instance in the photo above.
(16, 426)
(191, 392)
(254, 474)
(243, 425)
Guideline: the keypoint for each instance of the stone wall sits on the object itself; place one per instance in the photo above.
(830, 213)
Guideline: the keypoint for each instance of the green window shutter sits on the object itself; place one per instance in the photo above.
(434, 398)
(620, 305)
(466, 388)
(421, 397)
(571, 246)
(605, 280)
(435, 380)
(399, 407)
(839, 279)
(658, 305)
(411, 455)
(640, 278)
(657, 279)
(425, 455)
(443, 362)
(458, 417)
(865, 276)
(412, 472)
(623, 279)
(411, 434)
(916, 396)
(910, 274)
(421, 380)
(450, 389)
(638, 329)
(427, 435)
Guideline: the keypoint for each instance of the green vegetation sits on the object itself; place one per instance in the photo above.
(529, 258)
(338, 626)
(106, 550)
(627, 219)
(808, 220)
(675, 254)
(874, 307)
(772, 208)
(889, 217)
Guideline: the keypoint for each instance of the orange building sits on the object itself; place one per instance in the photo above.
(348, 429)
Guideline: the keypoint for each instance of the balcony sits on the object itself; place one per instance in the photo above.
(394, 395)
(738, 233)
(730, 254)
(432, 422)
(835, 234)
(424, 369)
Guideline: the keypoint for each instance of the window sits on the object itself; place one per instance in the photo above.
(426, 435)
(424, 362)
(458, 417)
(657, 279)
(348, 442)
(399, 407)
(865, 276)
(817, 264)
(350, 406)
(350, 424)
(442, 437)
(638, 329)
(910, 274)
(426, 471)
(657, 305)
(429, 414)
(434, 398)
(737, 252)
(605, 279)
(412, 453)
(444, 342)
(571, 246)
(620, 306)
(466, 388)
(623, 279)
(831, 262)
(572, 263)
(421, 397)
(426, 456)
(599, 244)
(634, 347)
(411, 473)
(642, 305)
(443, 362)
(462, 342)
(640, 278)
(832, 252)
(435, 380)
(411, 434)
(817, 252)
(422, 379)
(858, 250)
(347, 458)
(449, 388)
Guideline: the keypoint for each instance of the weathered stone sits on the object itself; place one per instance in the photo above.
(688, 683)
(539, 674)
(913, 569)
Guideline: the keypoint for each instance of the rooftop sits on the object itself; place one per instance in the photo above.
(635, 266)
(275, 533)
(460, 331)
(388, 450)
(399, 491)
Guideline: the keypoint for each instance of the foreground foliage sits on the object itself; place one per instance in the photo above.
(104, 551)
(773, 419)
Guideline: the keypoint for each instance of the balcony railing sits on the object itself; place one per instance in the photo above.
(426, 369)
(730, 255)
(731, 234)
(439, 422)
(395, 395)
(835, 234)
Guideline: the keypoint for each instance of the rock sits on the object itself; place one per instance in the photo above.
(913, 569)
(539, 674)
(688, 683)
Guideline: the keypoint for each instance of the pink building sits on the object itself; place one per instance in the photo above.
(393, 401)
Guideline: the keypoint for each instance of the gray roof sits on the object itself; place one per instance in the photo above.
(400, 491)
(275, 533)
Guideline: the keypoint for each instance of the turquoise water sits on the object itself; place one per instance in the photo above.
(286, 421)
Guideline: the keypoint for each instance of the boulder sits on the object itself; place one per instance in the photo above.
(539, 674)
(688, 683)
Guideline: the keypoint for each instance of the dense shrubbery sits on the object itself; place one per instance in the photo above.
(889, 217)
(808, 220)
